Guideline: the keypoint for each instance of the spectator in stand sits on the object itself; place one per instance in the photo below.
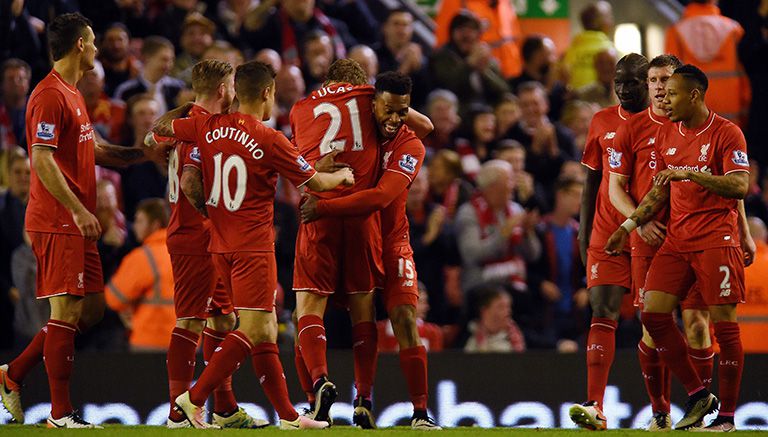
(755, 204)
(495, 237)
(147, 179)
(141, 290)
(443, 110)
(434, 251)
(597, 22)
(157, 53)
(576, 117)
(358, 17)
(318, 57)
(540, 65)
(270, 57)
(529, 193)
(494, 330)
(196, 36)
(548, 144)
(16, 75)
(289, 89)
(119, 65)
(479, 140)
(753, 315)
(107, 115)
(366, 57)
(398, 52)
(447, 186)
(431, 335)
(134, 14)
(229, 16)
(113, 226)
(29, 313)
(601, 90)
(21, 37)
(465, 65)
(507, 114)
(501, 30)
(710, 41)
(170, 22)
(562, 294)
(285, 27)
(13, 205)
(225, 52)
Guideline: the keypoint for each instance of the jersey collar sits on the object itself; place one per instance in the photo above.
(653, 118)
(683, 130)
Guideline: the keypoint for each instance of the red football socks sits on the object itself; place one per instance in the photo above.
(223, 396)
(269, 370)
(312, 341)
(654, 376)
(305, 379)
(59, 353)
(672, 348)
(601, 348)
(413, 362)
(29, 358)
(366, 353)
(181, 365)
(233, 350)
(703, 361)
(730, 365)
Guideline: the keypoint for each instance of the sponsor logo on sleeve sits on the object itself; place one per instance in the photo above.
(303, 164)
(408, 163)
(195, 154)
(740, 158)
(45, 131)
(614, 158)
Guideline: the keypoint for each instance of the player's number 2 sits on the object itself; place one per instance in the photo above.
(173, 176)
(220, 188)
(329, 142)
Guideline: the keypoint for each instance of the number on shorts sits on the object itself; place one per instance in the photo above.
(173, 176)
(329, 143)
(405, 268)
(726, 277)
(220, 187)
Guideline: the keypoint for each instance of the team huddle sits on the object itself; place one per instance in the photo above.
(665, 175)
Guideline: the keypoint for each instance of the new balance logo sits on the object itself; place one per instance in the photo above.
(725, 292)
(651, 140)
(671, 151)
(321, 337)
(408, 283)
(358, 343)
(609, 135)
(262, 379)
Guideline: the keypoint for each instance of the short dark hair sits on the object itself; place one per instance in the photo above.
(566, 183)
(120, 26)
(153, 44)
(393, 82)
(530, 86)
(532, 44)
(665, 60)
(694, 76)
(636, 63)
(464, 18)
(208, 75)
(252, 78)
(156, 209)
(399, 10)
(14, 63)
(64, 31)
(347, 71)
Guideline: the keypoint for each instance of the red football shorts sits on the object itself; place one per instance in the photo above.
(640, 266)
(198, 293)
(604, 269)
(335, 254)
(250, 277)
(400, 284)
(719, 273)
(66, 264)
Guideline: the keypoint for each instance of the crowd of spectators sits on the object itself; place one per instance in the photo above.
(493, 213)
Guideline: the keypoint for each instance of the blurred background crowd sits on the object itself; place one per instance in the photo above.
(494, 211)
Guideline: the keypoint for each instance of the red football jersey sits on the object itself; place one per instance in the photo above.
(339, 117)
(600, 155)
(404, 155)
(56, 117)
(240, 160)
(636, 159)
(700, 219)
(188, 231)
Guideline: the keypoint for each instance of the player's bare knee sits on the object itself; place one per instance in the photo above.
(66, 308)
(223, 322)
(258, 326)
(192, 325)
(605, 301)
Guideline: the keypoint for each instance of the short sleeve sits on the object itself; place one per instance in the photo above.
(734, 150)
(621, 159)
(189, 155)
(407, 158)
(285, 159)
(47, 118)
(593, 154)
(185, 129)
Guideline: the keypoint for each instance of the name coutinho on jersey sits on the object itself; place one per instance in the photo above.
(236, 135)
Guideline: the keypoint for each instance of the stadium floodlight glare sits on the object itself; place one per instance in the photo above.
(628, 38)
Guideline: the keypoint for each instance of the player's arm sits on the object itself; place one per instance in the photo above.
(328, 181)
(747, 242)
(652, 203)
(192, 186)
(362, 203)
(111, 155)
(53, 180)
(652, 232)
(164, 125)
(587, 210)
(419, 123)
(734, 185)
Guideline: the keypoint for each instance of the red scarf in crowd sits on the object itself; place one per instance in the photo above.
(290, 45)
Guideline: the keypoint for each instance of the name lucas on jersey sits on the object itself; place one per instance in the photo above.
(237, 135)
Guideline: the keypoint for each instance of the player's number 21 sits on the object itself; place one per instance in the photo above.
(329, 142)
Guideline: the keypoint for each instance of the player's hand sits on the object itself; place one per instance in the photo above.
(653, 233)
(749, 248)
(158, 152)
(349, 177)
(616, 243)
(328, 164)
(309, 208)
(87, 223)
(581, 298)
(550, 291)
(666, 176)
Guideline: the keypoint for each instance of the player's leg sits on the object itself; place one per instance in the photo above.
(305, 378)
(696, 328)
(310, 308)
(365, 352)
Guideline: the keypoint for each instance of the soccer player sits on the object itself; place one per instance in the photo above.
(403, 155)
(195, 279)
(60, 216)
(703, 171)
(634, 168)
(241, 159)
(607, 277)
(339, 255)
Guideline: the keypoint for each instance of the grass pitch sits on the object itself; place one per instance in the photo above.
(337, 431)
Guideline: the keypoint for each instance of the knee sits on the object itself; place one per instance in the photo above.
(604, 307)
(223, 322)
(192, 325)
(403, 319)
(697, 333)
(91, 314)
(261, 332)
